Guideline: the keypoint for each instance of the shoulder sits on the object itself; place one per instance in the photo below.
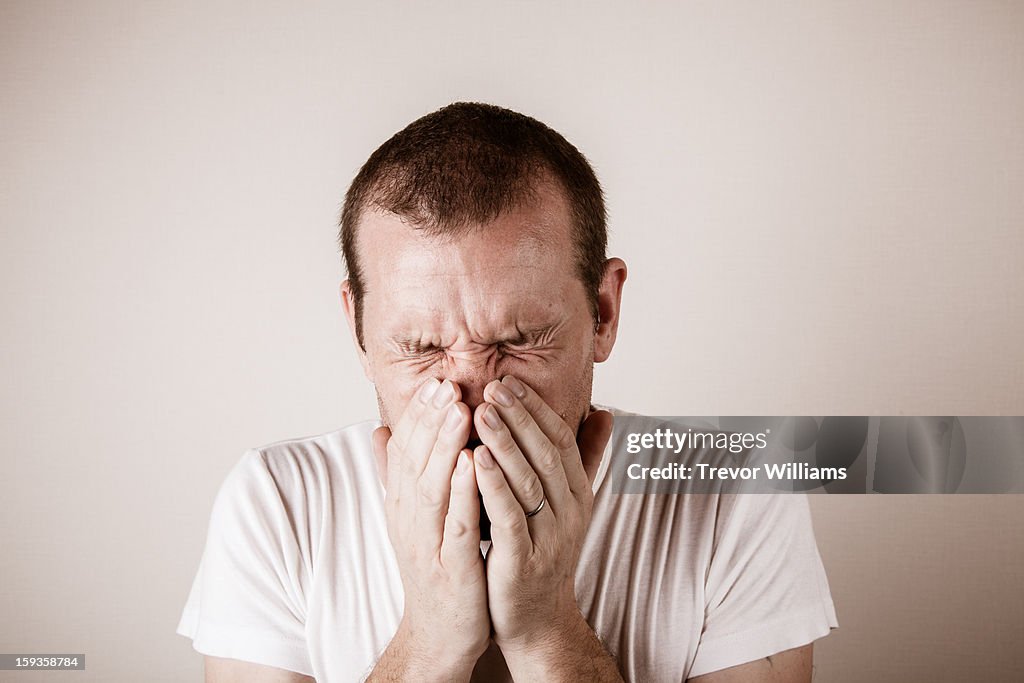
(301, 473)
(715, 513)
(343, 450)
(619, 453)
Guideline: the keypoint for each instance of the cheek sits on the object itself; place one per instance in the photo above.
(394, 391)
(563, 385)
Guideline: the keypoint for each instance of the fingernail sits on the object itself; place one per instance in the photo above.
(428, 389)
(491, 418)
(451, 422)
(515, 385)
(462, 465)
(502, 395)
(444, 394)
(483, 456)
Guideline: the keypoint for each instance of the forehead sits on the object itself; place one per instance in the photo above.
(521, 264)
(531, 236)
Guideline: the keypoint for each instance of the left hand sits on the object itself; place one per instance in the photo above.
(529, 454)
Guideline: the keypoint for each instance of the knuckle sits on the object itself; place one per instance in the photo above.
(448, 442)
(436, 574)
(516, 524)
(405, 427)
(533, 492)
(428, 496)
(493, 484)
(432, 416)
(506, 443)
(455, 529)
(396, 454)
(520, 417)
(407, 422)
(564, 438)
(548, 461)
(539, 565)
(407, 466)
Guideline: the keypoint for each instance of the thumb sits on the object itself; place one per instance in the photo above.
(380, 438)
(592, 438)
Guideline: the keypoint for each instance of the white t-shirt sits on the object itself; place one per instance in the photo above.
(298, 571)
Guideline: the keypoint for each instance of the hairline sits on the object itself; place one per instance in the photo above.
(539, 177)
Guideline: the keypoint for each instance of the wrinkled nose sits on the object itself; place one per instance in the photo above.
(472, 375)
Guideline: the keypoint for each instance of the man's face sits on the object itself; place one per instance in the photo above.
(499, 299)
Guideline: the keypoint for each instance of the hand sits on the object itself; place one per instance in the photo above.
(433, 516)
(529, 454)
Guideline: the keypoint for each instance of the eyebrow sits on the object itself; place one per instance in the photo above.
(527, 335)
(531, 335)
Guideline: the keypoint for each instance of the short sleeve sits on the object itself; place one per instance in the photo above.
(248, 600)
(766, 589)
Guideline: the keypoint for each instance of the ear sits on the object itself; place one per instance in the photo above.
(609, 300)
(348, 303)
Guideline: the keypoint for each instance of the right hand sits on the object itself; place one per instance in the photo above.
(433, 515)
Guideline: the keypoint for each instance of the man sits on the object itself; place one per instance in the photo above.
(479, 298)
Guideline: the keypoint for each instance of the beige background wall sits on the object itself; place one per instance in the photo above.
(821, 204)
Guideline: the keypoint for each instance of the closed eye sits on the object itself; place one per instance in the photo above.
(425, 352)
(525, 351)
(412, 349)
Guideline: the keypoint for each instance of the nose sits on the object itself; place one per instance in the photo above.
(472, 375)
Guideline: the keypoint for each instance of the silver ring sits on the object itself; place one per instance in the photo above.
(543, 502)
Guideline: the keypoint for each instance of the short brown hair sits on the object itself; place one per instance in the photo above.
(470, 163)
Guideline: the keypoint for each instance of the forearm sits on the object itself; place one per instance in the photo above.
(403, 660)
(572, 653)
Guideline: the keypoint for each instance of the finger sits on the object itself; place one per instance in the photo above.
(461, 545)
(509, 529)
(412, 457)
(419, 401)
(421, 439)
(593, 439)
(433, 487)
(451, 439)
(519, 474)
(560, 434)
(543, 455)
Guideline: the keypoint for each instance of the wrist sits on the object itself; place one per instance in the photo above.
(568, 651)
(546, 637)
(427, 658)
